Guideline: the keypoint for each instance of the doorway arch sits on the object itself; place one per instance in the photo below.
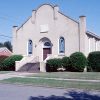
(46, 47)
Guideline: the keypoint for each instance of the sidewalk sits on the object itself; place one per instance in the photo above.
(25, 74)
(14, 74)
(83, 80)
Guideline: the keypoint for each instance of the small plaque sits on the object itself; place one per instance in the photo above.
(44, 28)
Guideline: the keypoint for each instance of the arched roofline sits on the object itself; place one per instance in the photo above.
(44, 5)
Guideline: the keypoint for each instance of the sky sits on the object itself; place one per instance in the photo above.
(16, 12)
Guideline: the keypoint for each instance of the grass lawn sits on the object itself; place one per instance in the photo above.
(54, 83)
(40, 80)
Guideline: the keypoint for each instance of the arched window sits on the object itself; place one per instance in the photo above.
(30, 47)
(61, 45)
(47, 44)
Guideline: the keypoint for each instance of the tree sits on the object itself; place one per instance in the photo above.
(1, 45)
(8, 45)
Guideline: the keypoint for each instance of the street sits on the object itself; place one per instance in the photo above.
(18, 92)
(22, 92)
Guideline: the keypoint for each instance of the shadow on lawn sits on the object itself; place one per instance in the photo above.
(72, 95)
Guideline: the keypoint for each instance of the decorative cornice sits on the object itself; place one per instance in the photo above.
(93, 35)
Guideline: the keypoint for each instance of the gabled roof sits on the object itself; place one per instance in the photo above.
(53, 8)
(88, 32)
(5, 52)
(93, 35)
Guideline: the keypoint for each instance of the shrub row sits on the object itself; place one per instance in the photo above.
(9, 63)
(94, 61)
(76, 62)
(2, 58)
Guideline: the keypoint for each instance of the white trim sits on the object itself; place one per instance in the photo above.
(89, 46)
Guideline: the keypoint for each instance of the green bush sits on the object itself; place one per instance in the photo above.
(78, 61)
(2, 58)
(66, 63)
(9, 63)
(94, 61)
(53, 64)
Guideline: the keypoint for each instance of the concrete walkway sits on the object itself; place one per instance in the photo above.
(14, 74)
(82, 80)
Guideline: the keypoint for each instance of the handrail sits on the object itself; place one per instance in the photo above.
(35, 59)
(26, 60)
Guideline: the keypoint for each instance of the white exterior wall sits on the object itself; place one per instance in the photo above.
(14, 41)
(87, 46)
(98, 45)
(93, 44)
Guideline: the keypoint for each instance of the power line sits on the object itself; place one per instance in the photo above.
(9, 19)
(5, 36)
(5, 14)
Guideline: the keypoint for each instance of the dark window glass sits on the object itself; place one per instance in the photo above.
(30, 47)
(47, 44)
(61, 45)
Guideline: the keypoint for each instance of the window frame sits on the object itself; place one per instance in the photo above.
(61, 48)
(30, 47)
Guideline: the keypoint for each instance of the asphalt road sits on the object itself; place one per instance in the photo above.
(19, 92)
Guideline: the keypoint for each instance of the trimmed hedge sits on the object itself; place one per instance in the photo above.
(75, 63)
(53, 64)
(2, 58)
(66, 63)
(78, 61)
(9, 63)
(94, 61)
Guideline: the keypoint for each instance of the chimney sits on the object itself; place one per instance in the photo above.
(56, 9)
(15, 30)
(33, 16)
(82, 28)
(14, 39)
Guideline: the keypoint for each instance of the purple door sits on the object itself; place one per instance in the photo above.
(45, 52)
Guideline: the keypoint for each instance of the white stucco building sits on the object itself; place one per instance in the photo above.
(48, 33)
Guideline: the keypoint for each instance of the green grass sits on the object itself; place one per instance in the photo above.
(70, 75)
(4, 72)
(54, 83)
(40, 80)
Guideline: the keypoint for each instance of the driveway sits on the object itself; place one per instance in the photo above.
(19, 92)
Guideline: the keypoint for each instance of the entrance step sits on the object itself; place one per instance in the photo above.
(30, 67)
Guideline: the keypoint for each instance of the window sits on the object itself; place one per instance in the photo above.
(30, 47)
(47, 44)
(61, 45)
